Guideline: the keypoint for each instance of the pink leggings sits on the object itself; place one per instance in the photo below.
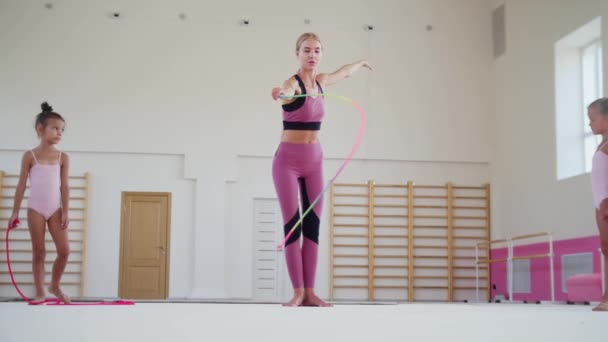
(300, 167)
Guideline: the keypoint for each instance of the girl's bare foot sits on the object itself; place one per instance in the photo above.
(601, 307)
(313, 300)
(298, 298)
(59, 294)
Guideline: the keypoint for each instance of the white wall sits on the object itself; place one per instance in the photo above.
(527, 196)
(150, 83)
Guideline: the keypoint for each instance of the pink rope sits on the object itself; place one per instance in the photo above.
(53, 301)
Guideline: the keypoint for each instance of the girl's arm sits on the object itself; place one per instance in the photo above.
(65, 190)
(344, 72)
(26, 162)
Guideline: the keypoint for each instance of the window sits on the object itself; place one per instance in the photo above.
(521, 276)
(592, 89)
(573, 264)
(578, 82)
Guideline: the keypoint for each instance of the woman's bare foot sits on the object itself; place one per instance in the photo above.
(59, 294)
(298, 298)
(601, 307)
(313, 300)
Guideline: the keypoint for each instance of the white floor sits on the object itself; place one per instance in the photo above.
(172, 322)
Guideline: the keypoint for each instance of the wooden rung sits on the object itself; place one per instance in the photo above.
(390, 277)
(430, 197)
(431, 287)
(431, 267)
(389, 216)
(350, 185)
(463, 187)
(351, 266)
(390, 287)
(430, 207)
(46, 283)
(350, 195)
(536, 256)
(398, 186)
(468, 207)
(465, 288)
(466, 248)
(521, 237)
(351, 225)
(47, 272)
(431, 277)
(470, 197)
(350, 286)
(431, 257)
(348, 245)
(49, 262)
(470, 228)
(430, 186)
(390, 236)
(390, 256)
(350, 235)
(389, 226)
(430, 247)
(351, 215)
(435, 237)
(351, 205)
(390, 246)
(29, 251)
(469, 237)
(346, 276)
(350, 256)
(389, 196)
(492, 261)
(467, 277)
(430, 217)
(48, 240)
(422, 226)
(404, 206)
(463, 257)
(391, 266)
(463, 267)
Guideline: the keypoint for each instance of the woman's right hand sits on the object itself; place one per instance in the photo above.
(277, 93)
(13, 221)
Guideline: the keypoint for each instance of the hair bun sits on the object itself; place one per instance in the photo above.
(46, 107)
